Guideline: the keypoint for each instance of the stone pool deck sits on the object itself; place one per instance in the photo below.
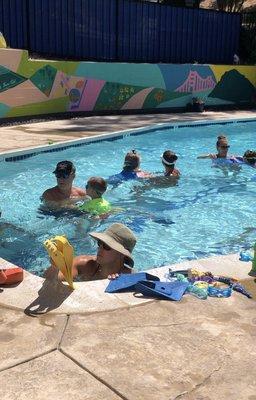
(87, 344)
(16, 137)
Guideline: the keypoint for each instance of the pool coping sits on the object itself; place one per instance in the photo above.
(36, 296)
(13, 156)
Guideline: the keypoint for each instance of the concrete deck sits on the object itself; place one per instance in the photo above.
(87, 344)
(41, 133)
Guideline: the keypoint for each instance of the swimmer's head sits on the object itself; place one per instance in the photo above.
(169, 158)
(222, 140)
(96, 186)
(64, 169)
(131, 161)
(250, 157)
(222, 145)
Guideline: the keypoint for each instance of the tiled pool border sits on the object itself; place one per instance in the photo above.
(13, 156)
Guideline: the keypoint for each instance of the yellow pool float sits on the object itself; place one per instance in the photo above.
(62, 254)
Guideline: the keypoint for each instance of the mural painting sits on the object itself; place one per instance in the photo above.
(34, 87)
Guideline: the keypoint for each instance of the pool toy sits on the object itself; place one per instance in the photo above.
(197, 291)
(173, 273)
(162, 290)
(214, 291)
(127, 282)
(96, 206)
(62, 254)
(253, 270)
(11, 276)
(236, 286)
(245, 256)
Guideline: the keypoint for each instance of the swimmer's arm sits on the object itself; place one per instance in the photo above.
(204, 156)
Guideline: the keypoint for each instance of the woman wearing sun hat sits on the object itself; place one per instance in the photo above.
(114, 255)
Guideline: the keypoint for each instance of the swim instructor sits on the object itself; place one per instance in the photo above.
(114, 256)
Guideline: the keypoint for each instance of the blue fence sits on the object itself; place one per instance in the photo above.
(120, 30)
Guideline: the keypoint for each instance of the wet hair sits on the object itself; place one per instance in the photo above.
(65, 166)
(221, 139)
(98, 184)
(250, 156)
(131, 161)
(169, 157)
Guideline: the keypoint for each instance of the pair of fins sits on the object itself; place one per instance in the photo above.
(148, 285)
(62, 254)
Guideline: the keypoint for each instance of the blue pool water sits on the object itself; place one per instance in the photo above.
(207, 213)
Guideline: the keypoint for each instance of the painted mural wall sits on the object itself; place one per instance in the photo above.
(32, 87)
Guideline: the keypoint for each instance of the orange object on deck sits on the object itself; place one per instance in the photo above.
(11, 276)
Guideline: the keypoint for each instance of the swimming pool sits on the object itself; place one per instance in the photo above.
(207, 213)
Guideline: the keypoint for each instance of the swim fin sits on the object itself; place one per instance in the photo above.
(62, 254)
(127, 282)
(162, 290)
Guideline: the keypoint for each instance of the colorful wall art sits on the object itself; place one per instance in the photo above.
(34, 87)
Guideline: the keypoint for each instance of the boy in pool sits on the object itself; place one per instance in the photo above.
(63, 194)
(95, 188)
(114, 256)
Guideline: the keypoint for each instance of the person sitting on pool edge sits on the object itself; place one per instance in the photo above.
(114, 256)
(95, 188)
(131, 169)
(63, 194)
(168, 160)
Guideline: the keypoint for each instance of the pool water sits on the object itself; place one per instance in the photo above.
(208, 212)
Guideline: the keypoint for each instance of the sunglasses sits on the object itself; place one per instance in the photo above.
(104, 245)
(224, 147)
(62, 174)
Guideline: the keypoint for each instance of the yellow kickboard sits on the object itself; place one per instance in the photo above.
(62, 254)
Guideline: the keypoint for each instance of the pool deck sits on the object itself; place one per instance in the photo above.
(27, 135)
(87, 344)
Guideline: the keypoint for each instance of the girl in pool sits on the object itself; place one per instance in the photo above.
(131, 169)
(168, 160)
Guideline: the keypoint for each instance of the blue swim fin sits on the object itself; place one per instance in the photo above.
(127, 282)
(162, 290)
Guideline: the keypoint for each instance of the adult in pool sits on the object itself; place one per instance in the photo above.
(222, 147)
(114, 256)
(64, 193)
